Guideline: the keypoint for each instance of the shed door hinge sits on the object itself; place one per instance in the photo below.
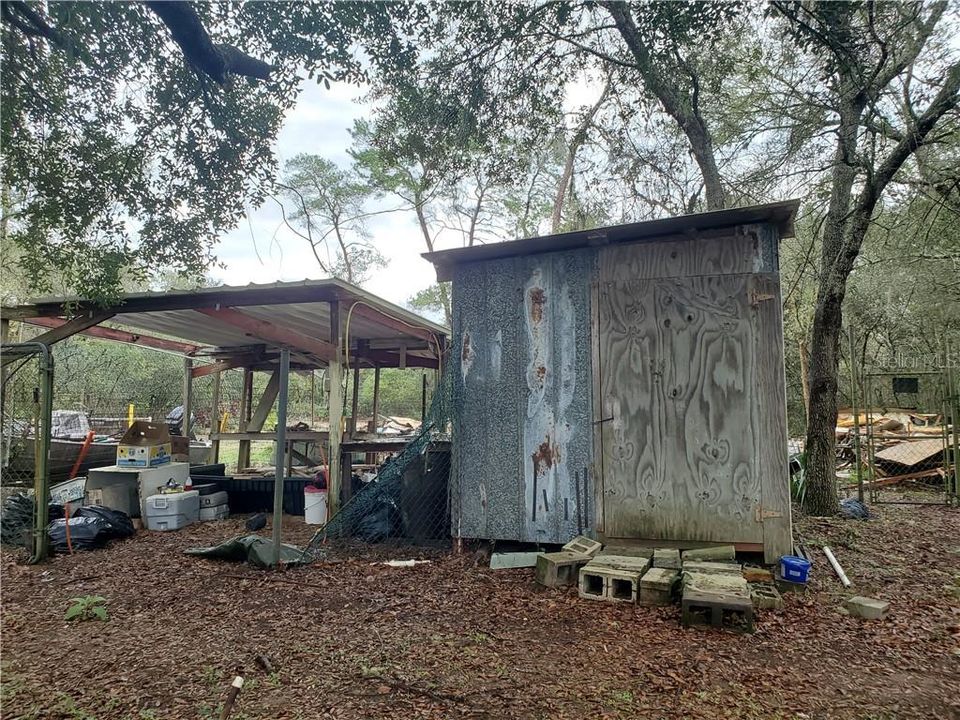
(759, 514)
(758, 297)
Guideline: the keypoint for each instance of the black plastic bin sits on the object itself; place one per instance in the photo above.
(251, 495)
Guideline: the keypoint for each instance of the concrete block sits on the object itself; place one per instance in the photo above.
(722, 611)
(656, 586)
(753, 574)
(511, 560)
(583, 544)
(666, 558)
(720, 553)
(867, 608)
(559, 568)
(607, 583)
(765, 597)
(711, 568)
(627, 551)
(719, 583)
(621, 562)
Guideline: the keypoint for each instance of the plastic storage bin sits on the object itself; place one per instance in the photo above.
(172, 511)
(214, 512)
(795, 569)
(213, 499)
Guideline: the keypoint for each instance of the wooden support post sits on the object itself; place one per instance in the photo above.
(376, 398)
(335, 410)
(283, 375)
(265, 405)
(214, 456)
(246, 407)
(346, 472)
(423, 398)
(355, 402)
(187, 396)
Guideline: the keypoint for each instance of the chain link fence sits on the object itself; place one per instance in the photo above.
(900, 442)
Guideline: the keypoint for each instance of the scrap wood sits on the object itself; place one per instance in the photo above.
(911, 452)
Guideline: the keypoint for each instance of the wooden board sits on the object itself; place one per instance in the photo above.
(691, 396)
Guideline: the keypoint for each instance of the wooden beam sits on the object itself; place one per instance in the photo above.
(105, 333)
(376, 397)
(187, 396)
(373, 315)
(335, 412)
(214, 457)
(389, 359)
(221, 365)
(246, 403)
(69, 328)
(265, 405)
(271, 333)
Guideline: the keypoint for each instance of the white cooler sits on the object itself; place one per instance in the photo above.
(172, 511)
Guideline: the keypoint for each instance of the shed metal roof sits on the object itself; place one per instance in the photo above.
(300, 307)
(780, 214)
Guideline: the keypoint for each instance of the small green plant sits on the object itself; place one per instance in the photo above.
(88, 607)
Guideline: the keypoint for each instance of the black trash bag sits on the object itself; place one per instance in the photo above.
(86, 533)
(853, 509)
(380, 523)
(16, 518)
(118, 522)
(257, 522)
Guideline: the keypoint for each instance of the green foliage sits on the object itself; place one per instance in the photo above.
(121, 158)
(88, 607)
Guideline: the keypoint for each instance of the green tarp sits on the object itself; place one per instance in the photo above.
(256, 550)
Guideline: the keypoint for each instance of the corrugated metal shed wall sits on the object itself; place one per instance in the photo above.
(523, 397)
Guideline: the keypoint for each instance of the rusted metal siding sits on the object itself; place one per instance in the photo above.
(523, 412)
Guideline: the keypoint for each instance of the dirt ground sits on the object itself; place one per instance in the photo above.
(452, 638)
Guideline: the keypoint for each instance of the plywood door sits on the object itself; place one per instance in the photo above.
(680, 395)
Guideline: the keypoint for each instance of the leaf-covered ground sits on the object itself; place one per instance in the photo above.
(452, 638)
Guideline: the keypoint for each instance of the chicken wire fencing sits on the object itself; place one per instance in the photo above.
(24, 386)
(905, 433)
(405, 501)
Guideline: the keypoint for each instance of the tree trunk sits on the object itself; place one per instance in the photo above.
(679, 104)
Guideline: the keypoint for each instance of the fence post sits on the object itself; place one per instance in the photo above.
(856, 417)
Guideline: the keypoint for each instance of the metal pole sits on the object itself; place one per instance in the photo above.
(42, 487)
(187, 396)
(280, 459)
(423, 398)
(856, 419)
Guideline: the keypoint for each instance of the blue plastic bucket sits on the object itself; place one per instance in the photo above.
(795, 569)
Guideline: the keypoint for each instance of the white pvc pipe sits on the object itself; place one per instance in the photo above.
(836, 567)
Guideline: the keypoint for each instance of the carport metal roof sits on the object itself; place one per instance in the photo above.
(249, 323)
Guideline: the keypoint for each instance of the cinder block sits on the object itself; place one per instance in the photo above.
(765, 596)
(719, 583)
(583, 544)
(627, 551)
(720, 553)
(666, 558)
(711, 568)
(868, 608)
(607, 583)
(722, 611)
(656, 586)
(621, 562)
(559, 568)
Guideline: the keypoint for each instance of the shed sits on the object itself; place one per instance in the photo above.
(626, 381)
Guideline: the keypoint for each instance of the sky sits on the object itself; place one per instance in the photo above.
(261, 250)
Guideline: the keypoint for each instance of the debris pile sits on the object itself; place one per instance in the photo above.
(712, 587)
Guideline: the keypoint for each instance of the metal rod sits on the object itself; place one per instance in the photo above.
(280, 459)
(187, 396)
(836, 567)
(856, 419)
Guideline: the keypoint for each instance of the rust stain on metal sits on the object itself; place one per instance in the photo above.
(538, 299)
(544, 457)
(466, 355)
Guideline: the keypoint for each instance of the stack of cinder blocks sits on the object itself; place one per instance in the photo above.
(615, 578)
(715, 591)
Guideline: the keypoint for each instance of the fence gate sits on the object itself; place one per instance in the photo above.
(910, 436)
(26, 404)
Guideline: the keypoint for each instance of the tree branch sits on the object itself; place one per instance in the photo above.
(215, 61)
